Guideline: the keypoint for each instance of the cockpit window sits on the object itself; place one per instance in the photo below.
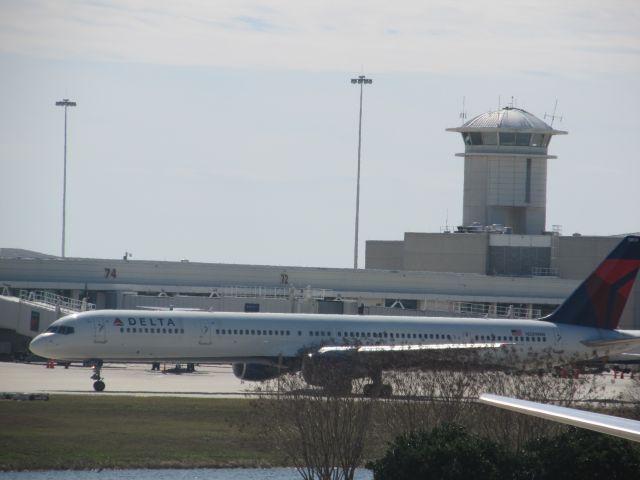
(63, 329)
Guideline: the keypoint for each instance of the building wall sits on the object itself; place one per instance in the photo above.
(506, 190)
(437, 252)
(577, 257)
(384, 254)
(475, 191)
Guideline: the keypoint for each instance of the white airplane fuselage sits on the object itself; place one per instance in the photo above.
(147, 336)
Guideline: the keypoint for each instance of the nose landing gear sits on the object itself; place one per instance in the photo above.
(98, 385)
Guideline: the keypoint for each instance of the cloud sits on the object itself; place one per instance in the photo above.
(436, 35)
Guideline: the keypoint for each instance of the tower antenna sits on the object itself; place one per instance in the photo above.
(553, 116)
(463, 113)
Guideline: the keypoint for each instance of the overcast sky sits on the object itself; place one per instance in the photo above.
(226, 131)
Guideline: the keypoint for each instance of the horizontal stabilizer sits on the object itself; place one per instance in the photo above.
(619, 427)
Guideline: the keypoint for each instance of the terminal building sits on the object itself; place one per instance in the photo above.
(501, 262)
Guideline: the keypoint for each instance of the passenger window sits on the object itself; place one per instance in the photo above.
(253, 332)
(270, 332)
(235, 332)
(121, 329)
(182, 330)
(259, 332)
(217, 331)
(164, 330)
(287, 332)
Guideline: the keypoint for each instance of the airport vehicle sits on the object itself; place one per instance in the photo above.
(617, 426)
(331, 350)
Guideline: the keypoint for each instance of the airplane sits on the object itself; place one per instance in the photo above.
(616, 426)
(332, 350)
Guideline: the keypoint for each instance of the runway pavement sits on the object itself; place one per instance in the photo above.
(122, 379)
(206, 381)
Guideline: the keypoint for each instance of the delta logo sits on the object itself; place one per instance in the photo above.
(118, 323)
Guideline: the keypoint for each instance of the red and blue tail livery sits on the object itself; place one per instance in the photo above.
(599, 301)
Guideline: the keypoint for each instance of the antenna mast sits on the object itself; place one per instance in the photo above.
(463, 113)
(553, 116)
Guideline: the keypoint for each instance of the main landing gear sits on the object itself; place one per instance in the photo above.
(98, 385)
(377, 388)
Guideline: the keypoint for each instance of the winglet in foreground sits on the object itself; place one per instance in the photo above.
(617, 426)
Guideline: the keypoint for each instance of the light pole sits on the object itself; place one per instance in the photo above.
(64, 103)
(362, 81)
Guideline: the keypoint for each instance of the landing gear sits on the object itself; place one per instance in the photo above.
(376, 388)
(98, 385)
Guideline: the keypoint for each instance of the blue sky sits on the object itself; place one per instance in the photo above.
(227, 131)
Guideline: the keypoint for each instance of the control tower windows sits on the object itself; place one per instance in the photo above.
(472, 138)
(523, 139)
(507, 138)
(536, 140)
(490, 138)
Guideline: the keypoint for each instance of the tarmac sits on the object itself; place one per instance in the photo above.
(123, 379)
(209, 381)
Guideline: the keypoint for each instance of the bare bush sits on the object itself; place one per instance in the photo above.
(321, 433)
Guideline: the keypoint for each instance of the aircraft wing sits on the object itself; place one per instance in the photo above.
(617, 426)
(630, 343)
(413, 348)
(408, 356)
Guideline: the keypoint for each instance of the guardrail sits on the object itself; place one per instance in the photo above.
(55, 300)
(268, 292)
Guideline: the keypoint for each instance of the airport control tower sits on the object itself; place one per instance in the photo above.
(505, 170)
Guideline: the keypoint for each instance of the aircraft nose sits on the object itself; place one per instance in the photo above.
(42, 346)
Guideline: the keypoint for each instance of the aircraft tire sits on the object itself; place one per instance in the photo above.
(98, 386)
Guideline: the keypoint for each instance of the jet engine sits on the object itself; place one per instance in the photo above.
(255, 371)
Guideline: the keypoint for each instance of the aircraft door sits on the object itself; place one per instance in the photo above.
(100, 330)
(205, 332)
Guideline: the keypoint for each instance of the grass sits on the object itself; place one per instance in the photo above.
(83, 432)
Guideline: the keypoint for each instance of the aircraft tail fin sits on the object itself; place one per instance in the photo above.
(599, 301)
